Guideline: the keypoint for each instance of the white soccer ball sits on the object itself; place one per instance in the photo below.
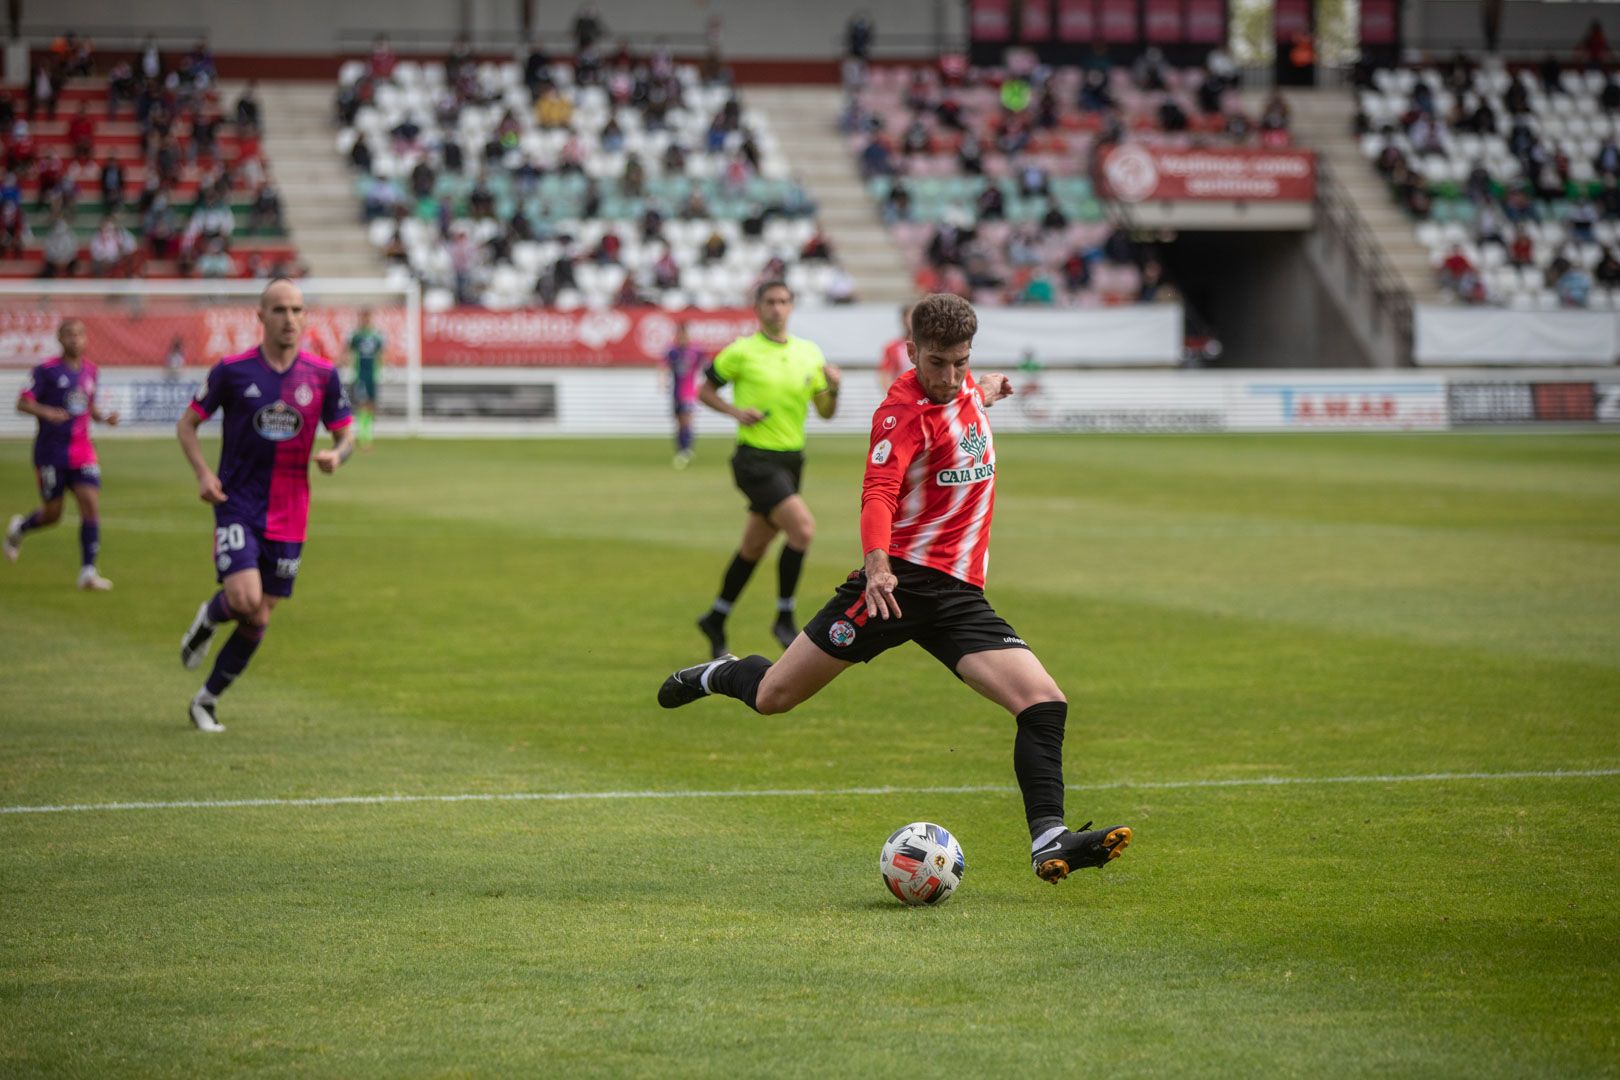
(922, 864)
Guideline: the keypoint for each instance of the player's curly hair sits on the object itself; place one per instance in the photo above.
(943, 320)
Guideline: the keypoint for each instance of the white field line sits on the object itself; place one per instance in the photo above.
(803, 793)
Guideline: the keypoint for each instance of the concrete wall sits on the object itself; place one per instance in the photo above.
(1529, 27)
(750, 28)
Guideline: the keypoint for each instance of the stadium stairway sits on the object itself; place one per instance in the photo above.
(317, 190)
(805, 121)
(1322, 121)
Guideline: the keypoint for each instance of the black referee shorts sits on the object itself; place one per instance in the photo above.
(766, 477)
(946, 616)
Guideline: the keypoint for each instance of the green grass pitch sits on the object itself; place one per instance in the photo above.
(494, 617)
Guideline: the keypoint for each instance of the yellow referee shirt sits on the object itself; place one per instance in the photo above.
(777, 378)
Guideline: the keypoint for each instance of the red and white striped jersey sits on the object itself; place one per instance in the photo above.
(930, 485)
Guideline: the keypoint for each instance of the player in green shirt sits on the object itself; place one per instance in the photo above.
(365, 352)
(774, 378)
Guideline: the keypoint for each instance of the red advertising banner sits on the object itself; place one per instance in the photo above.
(462, 337)
(1290, 17)
(1206, 22)
(1378, 22)
(1035, 20)
(1135, 173)
(1076, 19)
(1119, 21)
(1162, 21)
(990, 20)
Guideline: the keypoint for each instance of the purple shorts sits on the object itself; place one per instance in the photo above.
(54, 480)
(239, 547)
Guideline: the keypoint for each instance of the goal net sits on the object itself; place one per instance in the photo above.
(153, 341)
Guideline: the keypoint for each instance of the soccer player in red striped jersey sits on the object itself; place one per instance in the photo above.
(926, 507)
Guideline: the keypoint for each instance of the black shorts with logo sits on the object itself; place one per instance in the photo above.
(766, 476)
(946, 616)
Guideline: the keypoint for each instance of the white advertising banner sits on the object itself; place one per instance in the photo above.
(1471, 336)
(1148, 335)
(564, 401)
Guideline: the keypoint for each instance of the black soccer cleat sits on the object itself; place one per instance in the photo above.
(784, 630)
(1070, 851)
(686, 685)
(713, 626)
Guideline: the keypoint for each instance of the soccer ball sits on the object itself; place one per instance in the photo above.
(922, 864)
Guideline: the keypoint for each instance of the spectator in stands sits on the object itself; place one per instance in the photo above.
(1489, 225)
(197, 69)
(990, 205)
(112, 185)
(1210, 91)
(10, 188)
(215, 261)
(21, 151)
(8, 111)
(1076, 272)
(875, 158)
(382, 198)
(1054, 220)
(211, 219)
(896, 204)
(1148, 72)
(1478, 185)
(160, 228)
(1609, 196)
(248, 116)
(1574, 287)
(607, 249)
(946, 247)
(1551, 72)
(61, 249)
(840, 287)
(753, 225)
(383, 61)
(1607, 159)
(168, 160)
(81, 130)
(49, 175)
(634, 181)
(1147, 291)
(652, 225)
(14, 231)
(151, 60)
(666, 272)
(1037, 291)
(1023, 248)
(1171, 116)
(695, 208)
(1607, 270)
(858, 33)
(1276, 116)
(674, 158)
(1522, 251)
(73, 55)
(714, 248)
(266, 212)
(1459, 275)
(112, 249)
(1582, 221)
(1610, 97)
(1518, 205)
(817, 249)
(1095, 95)
(588, 28)
(43, 90)
(969, 157)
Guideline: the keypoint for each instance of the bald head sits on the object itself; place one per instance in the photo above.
(73, 338)
(281, 310)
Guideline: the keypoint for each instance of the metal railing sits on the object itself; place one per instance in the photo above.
(1392, 299)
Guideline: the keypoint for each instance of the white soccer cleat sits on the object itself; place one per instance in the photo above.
(194, 643)
(13, 542)
(202, 715)
(90, 581)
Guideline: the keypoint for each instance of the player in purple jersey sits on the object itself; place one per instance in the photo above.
(61, 394)
(272, 400)
(685, 364)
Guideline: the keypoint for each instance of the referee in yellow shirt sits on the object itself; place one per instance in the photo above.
(774, 377)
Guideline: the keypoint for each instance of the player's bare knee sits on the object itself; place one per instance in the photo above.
(50, 515)
(773, 701)
(801, 535)
(259, 617)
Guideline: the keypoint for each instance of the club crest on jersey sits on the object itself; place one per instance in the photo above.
(841, 634)
(278, 422)
(304, 395)
(973, 444)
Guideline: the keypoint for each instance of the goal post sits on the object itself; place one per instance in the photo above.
(148, 333)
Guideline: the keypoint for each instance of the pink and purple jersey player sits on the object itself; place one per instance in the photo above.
(64, 456)
(685, 364)
(270, 421)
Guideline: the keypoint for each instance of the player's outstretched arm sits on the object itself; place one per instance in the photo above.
(208, 486)
(342, 446)
(993, 387)
(51, 414)
(827, 400)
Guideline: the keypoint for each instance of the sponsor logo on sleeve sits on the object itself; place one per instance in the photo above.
(880, 452)
(888, 423)
(278, 422)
